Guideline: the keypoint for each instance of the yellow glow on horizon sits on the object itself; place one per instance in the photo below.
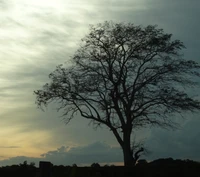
(31, 144)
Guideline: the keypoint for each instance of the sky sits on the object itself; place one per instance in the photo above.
(38, 35)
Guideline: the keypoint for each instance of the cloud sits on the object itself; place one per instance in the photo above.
(180, 144)
(97, 152)
(4, 5)
(9, 147)
(34, 39)
(177, 17)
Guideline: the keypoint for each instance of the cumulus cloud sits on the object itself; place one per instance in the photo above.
(97, 152)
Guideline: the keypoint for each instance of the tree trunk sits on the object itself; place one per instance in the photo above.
(128, 156)
(127, 151)
(125, 144)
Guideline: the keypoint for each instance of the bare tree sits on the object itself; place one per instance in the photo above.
(125, 77)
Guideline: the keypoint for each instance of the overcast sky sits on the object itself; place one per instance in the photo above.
(37, 35)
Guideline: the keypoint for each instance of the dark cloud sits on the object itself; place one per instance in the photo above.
(97, 152)
(180, 144)
(180, 18)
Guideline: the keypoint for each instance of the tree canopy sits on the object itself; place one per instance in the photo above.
(125, 77)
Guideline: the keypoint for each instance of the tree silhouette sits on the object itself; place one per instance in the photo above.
(125, 77)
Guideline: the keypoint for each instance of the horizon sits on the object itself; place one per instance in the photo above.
(116, 164)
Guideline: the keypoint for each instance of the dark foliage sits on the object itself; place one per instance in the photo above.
(95, 165)
(22, 170)
(160, 167)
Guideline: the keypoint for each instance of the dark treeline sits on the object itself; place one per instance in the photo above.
(156, 168)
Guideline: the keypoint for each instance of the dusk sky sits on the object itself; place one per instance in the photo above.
(38, 35)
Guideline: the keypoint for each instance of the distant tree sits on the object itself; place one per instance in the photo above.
(95, 165)
(24, 164)
(112, 165)
(124, 77)
(74, 165)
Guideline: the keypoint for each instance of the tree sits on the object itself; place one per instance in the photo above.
(124, 77)
(95, 165)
